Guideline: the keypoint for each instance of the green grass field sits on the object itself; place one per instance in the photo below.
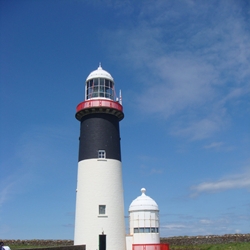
(229, 246)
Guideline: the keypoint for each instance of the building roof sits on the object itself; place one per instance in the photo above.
(143, 202)
(100, 73)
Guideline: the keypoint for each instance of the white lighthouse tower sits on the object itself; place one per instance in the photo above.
(99, 219)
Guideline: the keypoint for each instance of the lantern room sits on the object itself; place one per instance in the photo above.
(99, 84)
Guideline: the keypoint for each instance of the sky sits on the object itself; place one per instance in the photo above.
(184, 70)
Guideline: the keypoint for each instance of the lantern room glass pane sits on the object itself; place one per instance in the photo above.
(96, 81)
(101, 87)
(107, 95)
(107, 83)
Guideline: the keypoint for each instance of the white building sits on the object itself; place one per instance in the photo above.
(143, 221)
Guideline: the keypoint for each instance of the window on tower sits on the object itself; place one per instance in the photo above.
(146, 230)
(102, 209)
(101, 154)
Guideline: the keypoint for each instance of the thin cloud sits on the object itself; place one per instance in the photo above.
(235, 94)
(37, 143)
(5, 192)
(201, 129)
(206, 221)
(156, 171)
(232, 182)
(11, 186)
(174, 226)
(186, 225)
(182, 82)
(218, 146)
(202, 68)
(146, 171)
(214, 145)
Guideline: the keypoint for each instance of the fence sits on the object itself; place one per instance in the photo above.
(150, 247)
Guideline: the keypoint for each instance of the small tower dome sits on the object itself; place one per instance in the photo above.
(144, 220)
(143, 202)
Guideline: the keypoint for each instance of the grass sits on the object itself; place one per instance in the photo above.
(228, 246)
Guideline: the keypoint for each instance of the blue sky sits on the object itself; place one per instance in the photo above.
(183, 68)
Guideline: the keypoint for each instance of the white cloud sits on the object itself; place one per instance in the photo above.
(192, 225)
(181, 82)
(230, 182)
(202, 67)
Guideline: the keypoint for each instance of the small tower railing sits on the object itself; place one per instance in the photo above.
(150, 247)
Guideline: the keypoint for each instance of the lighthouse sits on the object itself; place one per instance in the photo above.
(99, 217)
(144, 225)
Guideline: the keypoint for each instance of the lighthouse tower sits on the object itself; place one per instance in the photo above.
(99, 219)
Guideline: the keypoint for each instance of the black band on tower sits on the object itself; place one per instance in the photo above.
(99, 132)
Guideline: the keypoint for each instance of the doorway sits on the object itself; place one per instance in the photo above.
(102, 242)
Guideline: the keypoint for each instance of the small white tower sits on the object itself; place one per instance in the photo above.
(143, 221)
(99, 219)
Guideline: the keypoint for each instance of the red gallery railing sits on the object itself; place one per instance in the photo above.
(99, 103)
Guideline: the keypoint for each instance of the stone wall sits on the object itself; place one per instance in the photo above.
(81, 247)
(208, 239)
(39, 243)
(180, 240)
